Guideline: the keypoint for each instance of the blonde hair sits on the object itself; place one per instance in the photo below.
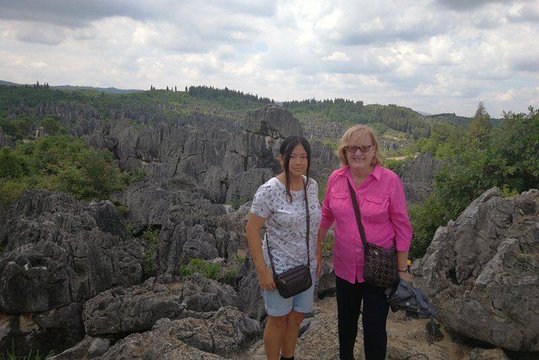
(359, 130)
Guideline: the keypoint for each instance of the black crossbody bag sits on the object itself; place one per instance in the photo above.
(297, 279)
(380, 267)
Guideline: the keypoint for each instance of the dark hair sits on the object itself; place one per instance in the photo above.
(286, 149)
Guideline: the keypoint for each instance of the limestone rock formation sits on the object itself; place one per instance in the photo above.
(482, 271)
(418, 177)
(59, 252)
(212, 335)
(127, 310)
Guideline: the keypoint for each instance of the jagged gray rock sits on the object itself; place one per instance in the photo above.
(126, 310)
(482, 271)
(181, 240)
(89, 348)
(212, 335)
(248, 290)
(150, 202)
(59, 252)
(225, 332)
(224, 160)
(418, 177)
(273, 121)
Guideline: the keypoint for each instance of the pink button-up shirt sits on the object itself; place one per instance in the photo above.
(383, 214)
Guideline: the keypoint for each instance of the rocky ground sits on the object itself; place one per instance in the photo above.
(407, 339)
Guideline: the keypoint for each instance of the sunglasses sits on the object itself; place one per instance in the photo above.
(352, 149)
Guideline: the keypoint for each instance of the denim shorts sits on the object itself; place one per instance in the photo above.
(276, 305)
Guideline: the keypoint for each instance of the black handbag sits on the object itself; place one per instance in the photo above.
(380, 267)
(297, 279)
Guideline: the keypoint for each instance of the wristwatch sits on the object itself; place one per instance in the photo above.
(404, 270)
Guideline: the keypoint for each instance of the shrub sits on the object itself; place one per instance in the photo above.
(205, 268)
(229, 276)
(151, 239)
(59, 163)
(10, 191)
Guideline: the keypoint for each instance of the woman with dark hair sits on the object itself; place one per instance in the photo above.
(281, 205)
(380, 195)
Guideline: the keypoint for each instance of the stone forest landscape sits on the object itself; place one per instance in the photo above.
(122, 220)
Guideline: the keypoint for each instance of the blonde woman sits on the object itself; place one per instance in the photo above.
(382, 204)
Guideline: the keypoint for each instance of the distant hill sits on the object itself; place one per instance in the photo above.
(108, 90)
(7, 83)
(324, 120)
(458, 120)
(451, 118)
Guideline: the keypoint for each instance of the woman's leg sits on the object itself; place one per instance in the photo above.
(375, 310)
(348, 310)
(273, 336)
(290, 335)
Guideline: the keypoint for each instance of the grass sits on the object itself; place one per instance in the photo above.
(30, 356)
(210, 270)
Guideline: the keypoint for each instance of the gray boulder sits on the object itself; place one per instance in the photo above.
(214, 335)
(249, 291)
(181, 240)
(273, 121)
(89, 348)
(59, 252)
(127, 310)
(482, 271)
(150, 202)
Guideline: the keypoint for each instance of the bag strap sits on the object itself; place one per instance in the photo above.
(358, 214)
(308, 225)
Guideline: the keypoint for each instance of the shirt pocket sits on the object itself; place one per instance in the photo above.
(375, 208)
(340, 200)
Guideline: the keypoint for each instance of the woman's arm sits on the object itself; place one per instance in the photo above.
(403, 228)
(322, 232)
(325, 224)
(398, 213)
(252, 229)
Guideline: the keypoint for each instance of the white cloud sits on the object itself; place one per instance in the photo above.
(433, 56)
(337, 56)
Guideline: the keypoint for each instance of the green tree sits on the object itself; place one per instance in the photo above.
(52, 125)
(513, 158)
(480, 127)
(11, 165)
(506, 157)
(59, 163)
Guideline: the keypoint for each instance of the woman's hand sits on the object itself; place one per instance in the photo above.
(406, 276)
(265, 278)
(403, 265)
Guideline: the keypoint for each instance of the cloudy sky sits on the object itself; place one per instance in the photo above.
(433, 56)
